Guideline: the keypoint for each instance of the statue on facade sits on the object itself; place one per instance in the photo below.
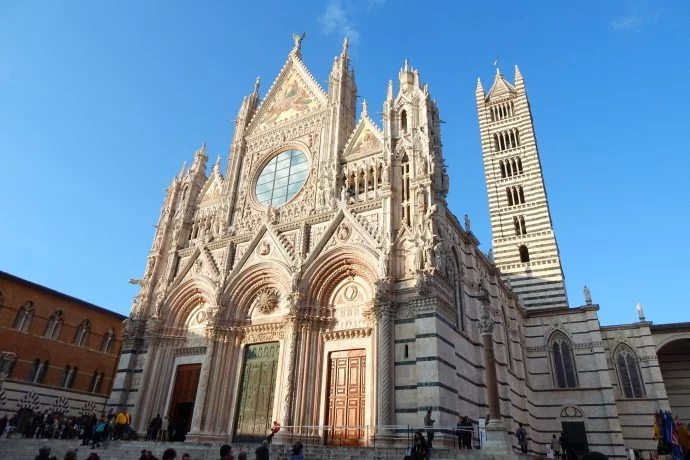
(417, 256)
(343, 194)
(640, 311)
(440, 256)
(297, 39)
(490, 255)
(385, 172)
(421, 201)
(428, 254)
(588, 296)
(468, 227)
(384, 257)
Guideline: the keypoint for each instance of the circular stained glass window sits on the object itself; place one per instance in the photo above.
(282, 178)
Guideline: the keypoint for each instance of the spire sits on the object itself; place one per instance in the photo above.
(345, 45)
(216, 166)
(257, 83)
(519, 82)
(200, 158)
(500, 88)
(365, 108)
(405, 69)
(389, 92)
(479, 89)
(408, 76)
(183, 170)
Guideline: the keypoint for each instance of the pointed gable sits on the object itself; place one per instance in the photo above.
(365, 140)
(213, 188)
(266, 247)
(294, 93)
(501, 88)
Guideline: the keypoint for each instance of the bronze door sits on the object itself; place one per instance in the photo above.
(257, 388)
(184, 394)
(346, 397)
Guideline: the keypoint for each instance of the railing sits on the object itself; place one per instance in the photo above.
(371, 435)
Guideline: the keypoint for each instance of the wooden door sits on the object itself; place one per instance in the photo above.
(257, 389)
(183, 397)
(346, 397)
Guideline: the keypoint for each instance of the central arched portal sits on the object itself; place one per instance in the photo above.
(346, 397)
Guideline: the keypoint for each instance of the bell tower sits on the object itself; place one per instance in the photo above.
(523, 240)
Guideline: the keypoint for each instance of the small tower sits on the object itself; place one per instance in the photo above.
(523, 238)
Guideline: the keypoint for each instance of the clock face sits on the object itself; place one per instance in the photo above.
(282, 178)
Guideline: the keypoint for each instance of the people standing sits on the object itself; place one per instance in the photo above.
(556, 447)
(420, 448)
(169, 454)
(467, 433)
(225, 452)
(297, 451)
(154, 427)
(122, 421)
(521, 436)
(164, 433)
(429, 424)
(262, 451)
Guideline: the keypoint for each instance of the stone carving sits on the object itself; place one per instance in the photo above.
(440, 256)
(640, 311)
(198, 265)
(588, 296)
(266, 301)
(421, 201)
(344, 232)
(486, 323)
(264, 248)
(468, 227)
(385, 256)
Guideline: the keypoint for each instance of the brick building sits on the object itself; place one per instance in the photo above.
(57, 353)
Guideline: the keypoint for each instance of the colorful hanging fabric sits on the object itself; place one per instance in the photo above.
(657, 427)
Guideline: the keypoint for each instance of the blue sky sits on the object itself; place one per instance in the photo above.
(101, 102)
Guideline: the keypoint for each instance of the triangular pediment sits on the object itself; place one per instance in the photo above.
(501, 88)
(294, 94)
(200, 263)
(344, 230)
(212, 189)
(365, 140)
(265, 247)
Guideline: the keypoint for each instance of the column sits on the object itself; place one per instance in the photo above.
(385, 374)
(290, 355)
(202, 388)
(496, 436)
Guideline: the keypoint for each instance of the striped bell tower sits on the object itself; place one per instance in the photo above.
(523, 240)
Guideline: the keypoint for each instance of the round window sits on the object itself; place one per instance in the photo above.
(282, 178)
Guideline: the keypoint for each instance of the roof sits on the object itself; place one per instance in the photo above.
(60, 294)
(501, 88)
(669, 326)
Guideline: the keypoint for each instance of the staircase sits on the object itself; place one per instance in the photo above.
(27, 449)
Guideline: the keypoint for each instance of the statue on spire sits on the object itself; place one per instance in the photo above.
(365, 108)
(297, 38)
(588, 296)
(640, 312)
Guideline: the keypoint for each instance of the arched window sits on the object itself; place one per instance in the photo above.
(629, 373)
(25, 315)
(565, 375)
(82, 333)
(521, 194)
(509, 194)
(7, 361)
(38, 371)
(403, 121)
(516, 223)
(96, 382)
(407, 351)
(519, 165)
(405, 177)
(524, 254)
(503, 170)
(54, 325)
(107, 342)
(523, 227)
(68, 377)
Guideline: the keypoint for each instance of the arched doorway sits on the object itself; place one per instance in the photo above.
(674, 363)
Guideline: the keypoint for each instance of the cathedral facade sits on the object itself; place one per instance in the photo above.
(322, 282)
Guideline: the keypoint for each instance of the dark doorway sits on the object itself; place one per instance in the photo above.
(346, 397)
(257, 390)
(182, 404)
(576, 437)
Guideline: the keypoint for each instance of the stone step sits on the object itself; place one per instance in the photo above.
(21, 449)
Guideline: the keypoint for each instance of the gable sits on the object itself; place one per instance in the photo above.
(212, 190)
(294, 94)
(265, 247)
(365, 140)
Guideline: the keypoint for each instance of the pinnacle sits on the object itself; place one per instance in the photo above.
(345, 45)
(365, 108)
(257, 83)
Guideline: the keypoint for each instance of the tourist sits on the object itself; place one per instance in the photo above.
(556, 446)
(143, 455)
(297, 451)
(186, 456)
(262, 451)
(70, 455)
(44, 454)
(242, 456)
(225, 452)
(3, 424)
(154, 427)
(99, 433)
(521, 436)
(467, 433)
(429, 424)
(94, 456)
(420, 448)
(165, 425)
(12, 425)
(169, 454)
(122, 421)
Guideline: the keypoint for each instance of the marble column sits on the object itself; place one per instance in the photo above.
(385, 375)
(497, 440)
(202, 388)
(290, 356)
